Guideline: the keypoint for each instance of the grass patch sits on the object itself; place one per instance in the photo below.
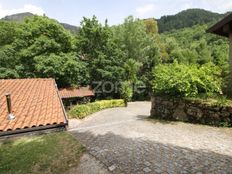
(51, 153)
(81, 111)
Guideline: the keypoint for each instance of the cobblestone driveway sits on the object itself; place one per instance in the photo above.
(125, 141)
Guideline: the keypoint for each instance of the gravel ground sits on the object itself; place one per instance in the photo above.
(124, 140)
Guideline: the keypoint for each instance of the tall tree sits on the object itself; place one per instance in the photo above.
(102, 55)
(39, 47)
(9, 61)
(139, 45)
(151, 26)
(40, 36)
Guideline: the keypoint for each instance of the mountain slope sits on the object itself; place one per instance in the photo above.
(17, 17)
(20, 17)
(187, 18)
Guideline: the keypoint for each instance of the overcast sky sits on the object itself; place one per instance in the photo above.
(72, 11)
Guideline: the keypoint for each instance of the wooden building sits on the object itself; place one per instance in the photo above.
(224, 28)
(74, 96)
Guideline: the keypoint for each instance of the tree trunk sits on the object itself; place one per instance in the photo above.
(229, 87)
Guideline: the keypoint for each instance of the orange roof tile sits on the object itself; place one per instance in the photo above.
(76, 92)
(35, 102)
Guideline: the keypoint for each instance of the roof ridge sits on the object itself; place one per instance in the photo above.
(28, 79)
(36, 103)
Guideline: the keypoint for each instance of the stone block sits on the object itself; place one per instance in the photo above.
(186, 110)
(179, 113)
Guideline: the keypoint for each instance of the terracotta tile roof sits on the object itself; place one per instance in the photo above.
(35, 102)
(76, 92)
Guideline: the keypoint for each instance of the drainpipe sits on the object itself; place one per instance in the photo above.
(10, 115)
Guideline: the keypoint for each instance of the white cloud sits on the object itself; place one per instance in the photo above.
(227, 6)
(144, 10)
(26, 8)
(158, 8)
(220, 6)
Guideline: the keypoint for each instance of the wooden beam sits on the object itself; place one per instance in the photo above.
(227, 28)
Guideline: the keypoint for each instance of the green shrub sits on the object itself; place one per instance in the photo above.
(186, 80)
(126, 92)
(81, 111)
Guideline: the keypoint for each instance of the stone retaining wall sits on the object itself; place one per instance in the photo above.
(190, 111)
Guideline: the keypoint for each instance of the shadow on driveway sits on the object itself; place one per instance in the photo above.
(140, 155)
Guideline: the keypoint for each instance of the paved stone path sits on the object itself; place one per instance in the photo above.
(125, 141)
(89, 165)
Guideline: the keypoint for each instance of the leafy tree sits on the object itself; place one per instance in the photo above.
(92, 37)
(204, 54)
(132, 39)
(186, 80)
(151, 26)
(65, 68)
(8, 54)
(8, 62)
(145, 73)
(187, 18)
(138, 45)
(126, 92)
(196, 46)
(101, 54)
(8, 32)
(131, 68)
(39, 47)
(189, 56)
(40, 36)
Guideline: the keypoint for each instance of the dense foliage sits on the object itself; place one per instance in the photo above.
(104, 59)
(187, 18)
(19, 17)
(186, 80)
(81, 111)
(195, 46)
(126, 92)
(39, 47)
(116, 61)
(116, 54)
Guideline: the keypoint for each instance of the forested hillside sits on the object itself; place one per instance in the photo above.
(194, 45)
(21, 16)
(17, 17)
(112, 58)
(187, 18)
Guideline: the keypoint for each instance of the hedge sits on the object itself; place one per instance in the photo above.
(81, 111)
(186, 80)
